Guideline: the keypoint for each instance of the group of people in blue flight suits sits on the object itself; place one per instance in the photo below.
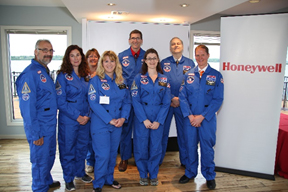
(101, 100)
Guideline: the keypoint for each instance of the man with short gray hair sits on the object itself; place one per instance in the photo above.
(37, 101)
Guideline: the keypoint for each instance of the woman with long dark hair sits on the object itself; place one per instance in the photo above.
(151, 99)
(73, 120)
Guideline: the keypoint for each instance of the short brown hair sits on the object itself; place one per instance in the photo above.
(135, 31)
(202, 47)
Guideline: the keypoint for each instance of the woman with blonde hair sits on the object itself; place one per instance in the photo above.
(110, 102)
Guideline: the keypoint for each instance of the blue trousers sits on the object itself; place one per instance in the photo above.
(90, 158)
(126, 137)
(73, 145)
(42, 159)
(207, 137)
(179, 119)
(105, 142)
(147, 149)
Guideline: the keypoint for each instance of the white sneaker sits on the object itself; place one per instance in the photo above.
(89, 169)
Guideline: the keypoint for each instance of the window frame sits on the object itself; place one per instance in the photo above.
(193, 32)
(6, 62)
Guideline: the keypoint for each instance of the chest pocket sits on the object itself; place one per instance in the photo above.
(145, 90)
(209, 89)
(72, 91)
(43, 92)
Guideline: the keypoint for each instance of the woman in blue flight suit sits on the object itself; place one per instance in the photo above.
(73, 119)
(110, 101)
(200, 97)
(151, 99)
(92, 57)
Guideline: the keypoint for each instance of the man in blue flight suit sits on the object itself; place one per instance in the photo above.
(200, 97)
(174, 67)
(131, 61)
(37, 100)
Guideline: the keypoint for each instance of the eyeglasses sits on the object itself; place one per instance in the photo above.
(151, 59)
(92, 56)
(46, 50)
(135, 38)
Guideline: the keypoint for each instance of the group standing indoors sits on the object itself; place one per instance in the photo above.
(73, 120)
(131, 61)
(38, 106)
(200, 97)
(174, 67)
(92, 57)
(110, 101)
(151, 99)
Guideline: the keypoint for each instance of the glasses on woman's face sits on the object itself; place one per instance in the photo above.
(92, 56)
(151, 59)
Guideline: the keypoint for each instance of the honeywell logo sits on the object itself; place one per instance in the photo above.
(252, 68)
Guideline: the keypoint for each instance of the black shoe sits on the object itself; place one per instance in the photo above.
(184, 179)
(70, 186)
(97, 189)
(54, 184)
(86, 178)
(211, 184)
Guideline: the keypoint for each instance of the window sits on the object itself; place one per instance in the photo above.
(212, 41)
(18, 44)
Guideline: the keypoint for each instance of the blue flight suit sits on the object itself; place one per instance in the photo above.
(106, 137)
(151, 101)
(131, 67)
(73, 138)
(90, 158)
(175, 74)
(201, 97)
(37, 100)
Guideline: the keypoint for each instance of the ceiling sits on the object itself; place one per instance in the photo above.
(167, 11)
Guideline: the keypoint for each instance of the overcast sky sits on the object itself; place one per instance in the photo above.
(24, 44)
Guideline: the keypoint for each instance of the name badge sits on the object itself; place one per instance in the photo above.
(104, 100)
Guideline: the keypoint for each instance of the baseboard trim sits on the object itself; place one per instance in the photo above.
(23, 136)
(245, 173)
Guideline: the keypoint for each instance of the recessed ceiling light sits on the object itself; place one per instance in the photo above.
(184, 5)
(119, 13)
(254, 1)
(111, 4)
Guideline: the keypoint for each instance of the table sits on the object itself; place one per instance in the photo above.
(281, 163)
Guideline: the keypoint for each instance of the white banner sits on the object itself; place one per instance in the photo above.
(114, 36)
(253, 59)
